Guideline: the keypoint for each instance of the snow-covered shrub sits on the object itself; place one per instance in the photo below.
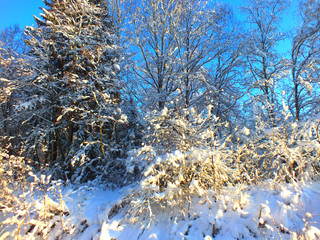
(171, 130)
(172, 179)
(288, 152)
(30, 205)
(186, 159)
(190, 160)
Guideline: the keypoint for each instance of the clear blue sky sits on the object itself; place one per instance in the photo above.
(18, 12)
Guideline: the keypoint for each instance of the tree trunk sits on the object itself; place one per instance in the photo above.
(296, 101)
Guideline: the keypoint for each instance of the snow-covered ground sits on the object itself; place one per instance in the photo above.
(266, 211)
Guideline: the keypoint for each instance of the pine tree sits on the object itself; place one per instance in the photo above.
(75, 74)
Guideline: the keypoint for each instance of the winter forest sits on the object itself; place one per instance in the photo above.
(161, 119)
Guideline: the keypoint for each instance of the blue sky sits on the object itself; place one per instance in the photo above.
(21, 12)
(18, 12)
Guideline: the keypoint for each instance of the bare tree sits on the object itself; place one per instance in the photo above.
(304, 62)
(154, 35)
(264, 62)
(12, 72)
(178, 42)
(205, 34)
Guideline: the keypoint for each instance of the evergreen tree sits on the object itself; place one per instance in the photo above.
(75, 64)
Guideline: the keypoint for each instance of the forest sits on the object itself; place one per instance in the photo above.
(161, 119)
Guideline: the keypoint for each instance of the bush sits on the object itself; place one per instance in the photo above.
(203, 163)
(30, 205)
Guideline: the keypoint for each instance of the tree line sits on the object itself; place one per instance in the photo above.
(96, 80)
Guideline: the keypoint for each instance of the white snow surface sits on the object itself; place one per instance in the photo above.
(265, 211)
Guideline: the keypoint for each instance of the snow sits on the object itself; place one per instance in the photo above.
(268, 210)
(245, 131)
(90, 204)
(30, 104)
(265, 211)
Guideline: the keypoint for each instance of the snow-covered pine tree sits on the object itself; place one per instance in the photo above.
(75, 64)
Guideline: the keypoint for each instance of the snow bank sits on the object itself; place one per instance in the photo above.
(265, 211)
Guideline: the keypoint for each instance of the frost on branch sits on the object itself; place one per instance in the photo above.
(79, 127)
